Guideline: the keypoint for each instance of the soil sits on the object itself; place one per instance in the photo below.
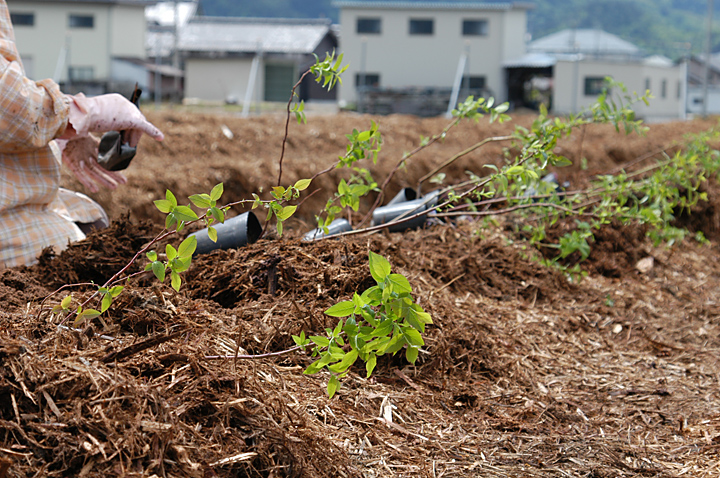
(523, 373)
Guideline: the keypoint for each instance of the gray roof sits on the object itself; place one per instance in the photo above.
(432, 5)
(596, 43)
(532, 60)
(248, 35)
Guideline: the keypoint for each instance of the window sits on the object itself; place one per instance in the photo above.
(368, 25)
(421, 26)
(663, 89)
(81, 73)
(473, 83)
(371, 80)
(81, 21)
(679, 89)
(594, 85)
(647, 84)
(474, 27)
(22, 19)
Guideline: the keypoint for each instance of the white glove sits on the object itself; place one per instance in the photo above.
(80, 156)
(111, 112)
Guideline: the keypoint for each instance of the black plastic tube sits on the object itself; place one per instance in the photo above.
(233, 233)
(400, 210)
(335, 227)
(405, 194)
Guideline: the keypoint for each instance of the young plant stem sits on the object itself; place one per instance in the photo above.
(287, 128)
(253, 357)
(460, 155)
(402, 161)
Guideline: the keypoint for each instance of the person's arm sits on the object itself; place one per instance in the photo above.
(31, 113)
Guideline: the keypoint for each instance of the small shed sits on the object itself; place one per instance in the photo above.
(235, 60)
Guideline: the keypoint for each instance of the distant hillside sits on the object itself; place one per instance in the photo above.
(669, 27)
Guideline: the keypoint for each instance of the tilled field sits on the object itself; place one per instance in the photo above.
(523, 373)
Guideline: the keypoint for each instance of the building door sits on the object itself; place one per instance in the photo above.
(279, 80)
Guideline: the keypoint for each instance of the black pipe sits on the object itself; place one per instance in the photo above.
(234, 232)
(405, 194)
(391, 212)
(335, 227)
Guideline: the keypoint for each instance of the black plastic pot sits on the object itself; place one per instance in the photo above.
(233, 233)
(335, 227)
(401, 210)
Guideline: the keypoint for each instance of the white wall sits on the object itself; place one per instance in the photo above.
(404, 60)
(569, 83)
(695, 98)
(213, 79)
(119, 30)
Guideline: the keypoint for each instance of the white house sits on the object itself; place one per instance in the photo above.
(395, 45)
(90, 46)
(576, 62)
(696, 89)
(253, 59)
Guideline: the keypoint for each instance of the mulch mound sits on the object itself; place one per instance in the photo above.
(524, 373)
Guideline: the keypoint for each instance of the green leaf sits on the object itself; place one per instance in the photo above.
(201, 200)
(106, 302)
(212, 233)
(286, 212)
(411, 354)
(413, 337)
(65, 303)
(379, 267)
(319, 340)
(217, 214)
(187, 247)
(514, 170)
(184, 213)
(171, 252)
(302, 184)
(278, 192)
(300, 340)
(341, 309)
(314, 367)
(175, 280)
(385, 327)
(158, 269)
(116, 291)
(170, 197)
(333, 386)
(163, 205)
(216, 192)
(400, 284)
(345, 363)
(370, 364)
(561, 162)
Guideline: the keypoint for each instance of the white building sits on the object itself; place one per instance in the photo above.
(253, 59)
(90, 46)
(578, 61)
(393, 45)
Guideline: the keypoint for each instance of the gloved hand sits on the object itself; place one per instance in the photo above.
(111, 112)
(80, 156)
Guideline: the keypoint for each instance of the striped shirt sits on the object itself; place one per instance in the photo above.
(34, 211)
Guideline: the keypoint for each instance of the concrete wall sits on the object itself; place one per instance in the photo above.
(404, 60)
(218, 79)
(695, 100)
(119, 30)
(569, 83)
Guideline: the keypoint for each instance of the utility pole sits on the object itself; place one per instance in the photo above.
(706, 66)
(175, 52)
